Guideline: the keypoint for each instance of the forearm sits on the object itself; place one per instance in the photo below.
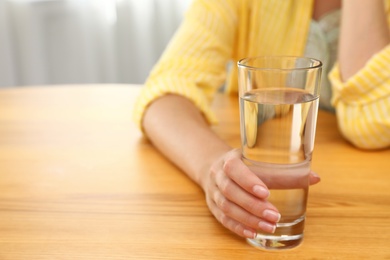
(364, 32)
(178, 129)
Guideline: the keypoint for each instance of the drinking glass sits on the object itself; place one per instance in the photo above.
(278, 115)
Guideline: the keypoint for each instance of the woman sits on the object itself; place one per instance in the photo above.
(173, 110)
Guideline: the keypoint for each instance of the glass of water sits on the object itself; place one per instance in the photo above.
(278, 115)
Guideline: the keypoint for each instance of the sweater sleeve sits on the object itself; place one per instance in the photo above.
(363, 103)
(194, 63)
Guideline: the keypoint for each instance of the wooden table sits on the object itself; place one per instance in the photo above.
(78, 181)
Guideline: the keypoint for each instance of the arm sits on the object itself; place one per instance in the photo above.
(363, 33)
(361, 79)
(177, 128)
(234, 194)
(175, 114)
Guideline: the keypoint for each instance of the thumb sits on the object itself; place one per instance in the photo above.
(314, 178)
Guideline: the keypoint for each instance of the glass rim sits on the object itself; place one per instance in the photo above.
(241, 63)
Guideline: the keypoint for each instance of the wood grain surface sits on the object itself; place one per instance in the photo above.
(78, 181)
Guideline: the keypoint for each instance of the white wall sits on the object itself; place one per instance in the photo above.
(84, 41)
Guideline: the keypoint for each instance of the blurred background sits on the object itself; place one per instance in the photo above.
(84, 41)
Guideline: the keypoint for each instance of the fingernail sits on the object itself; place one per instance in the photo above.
(315, 174)
(267, 227)
(314, 178)
(271, 215)
(261, 191)
(249, 234)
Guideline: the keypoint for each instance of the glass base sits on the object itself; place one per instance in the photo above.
(269, 242)
(287, 236)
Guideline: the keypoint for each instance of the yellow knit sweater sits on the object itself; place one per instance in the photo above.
(215, 32)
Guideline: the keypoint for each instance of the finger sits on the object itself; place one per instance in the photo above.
(235, 168)
(286, 176)
(242, 216)
(229, 223)
(243, 227)
(314, 178)
(258, 181)
(229, 191)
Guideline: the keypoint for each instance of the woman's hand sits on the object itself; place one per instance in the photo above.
(238, 198)
(234, 194)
